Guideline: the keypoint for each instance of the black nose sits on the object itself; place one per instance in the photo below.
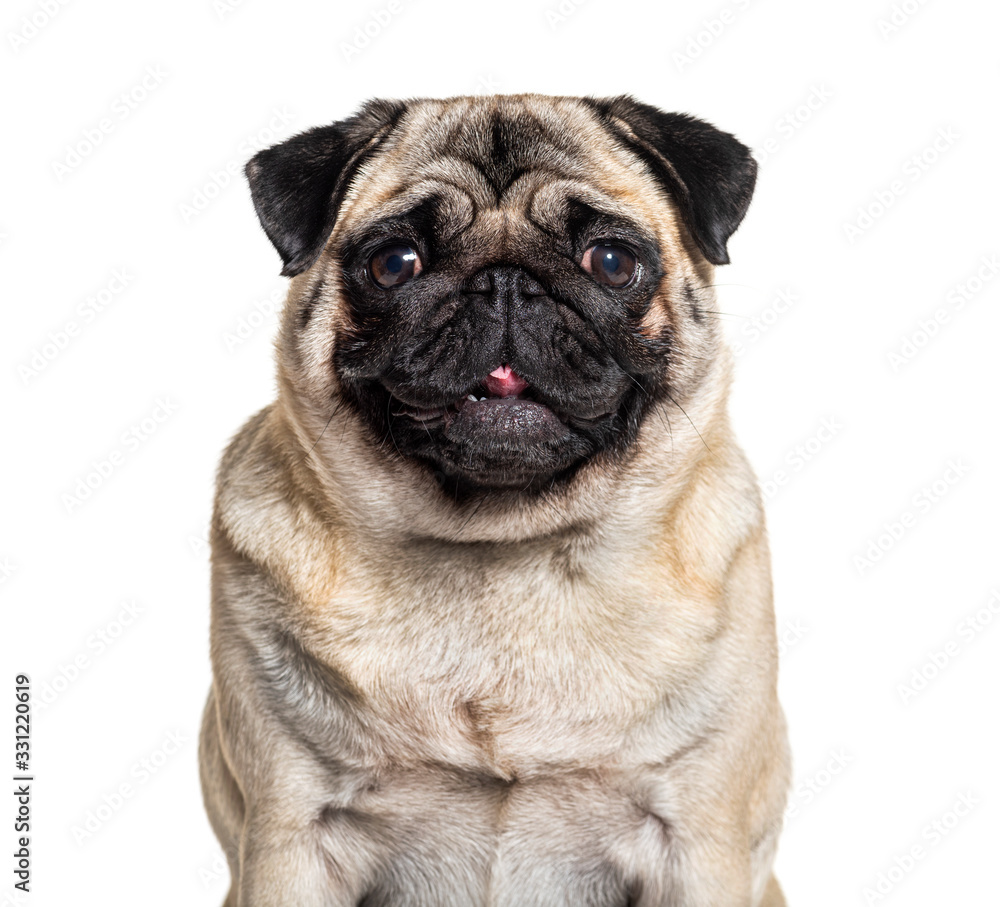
(507, 283)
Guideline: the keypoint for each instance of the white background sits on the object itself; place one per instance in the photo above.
(156, 199)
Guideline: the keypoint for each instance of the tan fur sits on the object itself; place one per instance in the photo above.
(488, 706)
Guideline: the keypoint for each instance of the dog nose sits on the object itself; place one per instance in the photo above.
(507, 282)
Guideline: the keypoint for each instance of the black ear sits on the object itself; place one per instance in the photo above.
(298, 186)
(708, 173)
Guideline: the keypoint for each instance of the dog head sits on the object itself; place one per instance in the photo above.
(497, 292)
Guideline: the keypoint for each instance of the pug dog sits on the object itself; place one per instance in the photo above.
(492, 619)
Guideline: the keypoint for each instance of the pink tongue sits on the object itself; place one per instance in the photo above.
(505, 382)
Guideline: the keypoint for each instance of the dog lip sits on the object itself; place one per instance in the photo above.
(470, 401)
(478, 398)
(423, 415)
(512, 389)
(515, 417)
(502, 382)
(479, 406)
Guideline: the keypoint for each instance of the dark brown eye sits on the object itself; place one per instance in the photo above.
(614, 266)
(393, 265)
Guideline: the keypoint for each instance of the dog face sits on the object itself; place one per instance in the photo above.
(502, 289)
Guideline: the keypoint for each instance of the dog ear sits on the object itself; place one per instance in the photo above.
(298, 186)
(708, 173)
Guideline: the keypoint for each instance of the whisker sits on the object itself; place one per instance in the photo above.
(686, 416)
(336, 410)
(637, 384)
(712, 286)
(388, 414)
(472, 515)
(670, 428)
(429, 435)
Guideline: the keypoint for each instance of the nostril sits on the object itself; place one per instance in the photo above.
(479, 283)
(504, 279)
(531, 287)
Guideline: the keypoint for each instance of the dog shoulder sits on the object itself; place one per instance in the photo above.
(264, 513)
(719, 510)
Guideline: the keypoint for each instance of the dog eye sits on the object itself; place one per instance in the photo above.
(614, 266)
(393, 265)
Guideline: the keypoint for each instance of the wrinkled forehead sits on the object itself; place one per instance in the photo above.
(526, 158)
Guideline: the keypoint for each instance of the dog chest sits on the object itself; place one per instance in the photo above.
(489, 665)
